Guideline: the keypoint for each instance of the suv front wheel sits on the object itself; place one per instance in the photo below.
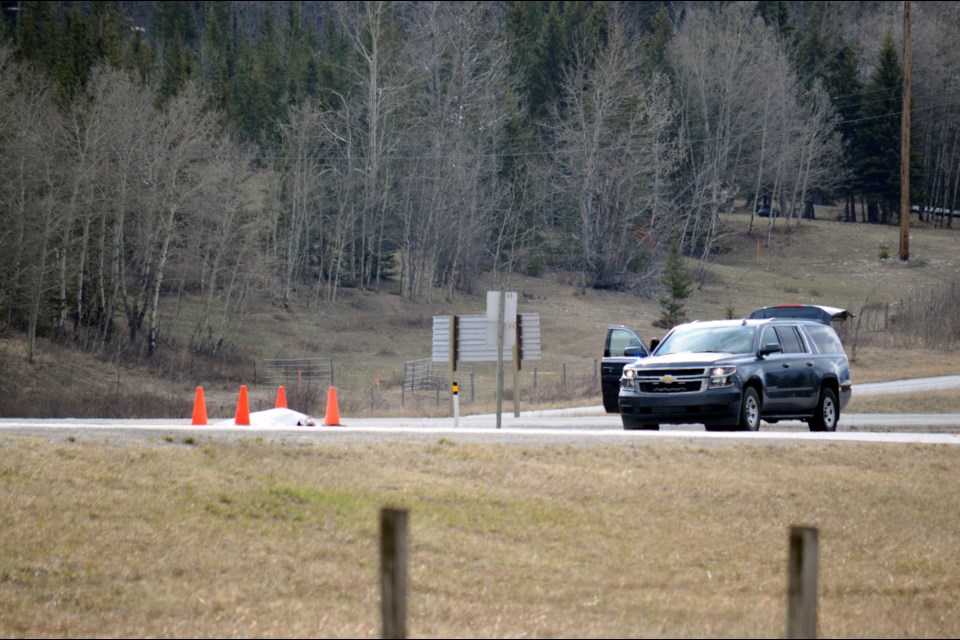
(749, 410)
(828, 412)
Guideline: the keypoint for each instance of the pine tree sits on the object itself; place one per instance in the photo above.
(39, 33)
(776, 14)
(823, 54)
(657, 43)
(108, 33)
(679, 285)
(877, 155)
(138, 57)
(174, 33)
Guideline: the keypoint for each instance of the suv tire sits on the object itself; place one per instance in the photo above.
(828, 412)
(749, 410)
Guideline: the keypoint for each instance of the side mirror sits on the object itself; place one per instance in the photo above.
(654, 343)
(769, 348)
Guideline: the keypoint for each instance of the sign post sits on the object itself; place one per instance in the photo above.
(454, 338)
(502, 322)
(516, 371)
(485, 338)
(456, 405)
(501, 314)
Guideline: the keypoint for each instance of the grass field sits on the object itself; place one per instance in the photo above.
(173, 538)
(168, 539)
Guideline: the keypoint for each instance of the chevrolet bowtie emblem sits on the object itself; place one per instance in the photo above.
(668, 379)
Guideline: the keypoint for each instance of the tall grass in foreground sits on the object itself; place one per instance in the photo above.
(648, 539)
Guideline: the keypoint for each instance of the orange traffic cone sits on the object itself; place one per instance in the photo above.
(199, 408)
(333, 412)
(281, 398)
(243, 407)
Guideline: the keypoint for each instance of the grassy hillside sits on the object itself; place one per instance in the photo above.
(370, 336)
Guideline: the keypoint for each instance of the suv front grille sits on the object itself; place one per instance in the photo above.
(644, 386)
(673, 380)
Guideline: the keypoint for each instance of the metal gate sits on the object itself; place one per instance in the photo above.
(298, 370)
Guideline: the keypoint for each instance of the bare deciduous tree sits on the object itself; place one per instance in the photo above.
(452, 192)
(612, 153)
(30, 218)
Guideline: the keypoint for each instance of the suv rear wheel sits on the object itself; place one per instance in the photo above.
(828, 412)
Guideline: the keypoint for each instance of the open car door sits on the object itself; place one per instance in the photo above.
(619, 339)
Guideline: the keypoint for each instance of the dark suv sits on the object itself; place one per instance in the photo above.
(730, 374)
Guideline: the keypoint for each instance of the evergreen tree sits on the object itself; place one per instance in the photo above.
(657, 42)
(776, 14)
(219, 44)
(679, 285)
(877, 155)
(173, 32)
(108, 33)
(302, 73)
(257, 87)
(544, 37)
(74, 65)
(138, 57)
(39, 35)
(333, 51)
(822, 54)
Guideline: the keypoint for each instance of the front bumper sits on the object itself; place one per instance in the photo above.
(713, 407)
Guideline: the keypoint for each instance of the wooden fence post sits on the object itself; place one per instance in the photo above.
(393, 572)
(802, 583)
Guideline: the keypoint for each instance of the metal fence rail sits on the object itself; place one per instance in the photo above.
(298, 370)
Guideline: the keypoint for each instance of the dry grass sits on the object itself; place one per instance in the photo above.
(925, 402)
(652, 539)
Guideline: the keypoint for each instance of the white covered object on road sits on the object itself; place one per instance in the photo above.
(279, 417)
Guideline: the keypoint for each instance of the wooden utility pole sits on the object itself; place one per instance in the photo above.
(905, 141)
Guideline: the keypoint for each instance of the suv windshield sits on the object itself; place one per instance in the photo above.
(738, 339)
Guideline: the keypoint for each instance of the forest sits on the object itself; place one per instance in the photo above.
(224, 150)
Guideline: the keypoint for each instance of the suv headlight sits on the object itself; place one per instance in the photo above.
(722, 377)
(629, 374)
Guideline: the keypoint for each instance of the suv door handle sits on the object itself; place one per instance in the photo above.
(786, 365)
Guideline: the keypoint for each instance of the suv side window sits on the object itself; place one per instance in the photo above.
(620, 339)
(790, 339)
(826, 339)
(769, 337)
